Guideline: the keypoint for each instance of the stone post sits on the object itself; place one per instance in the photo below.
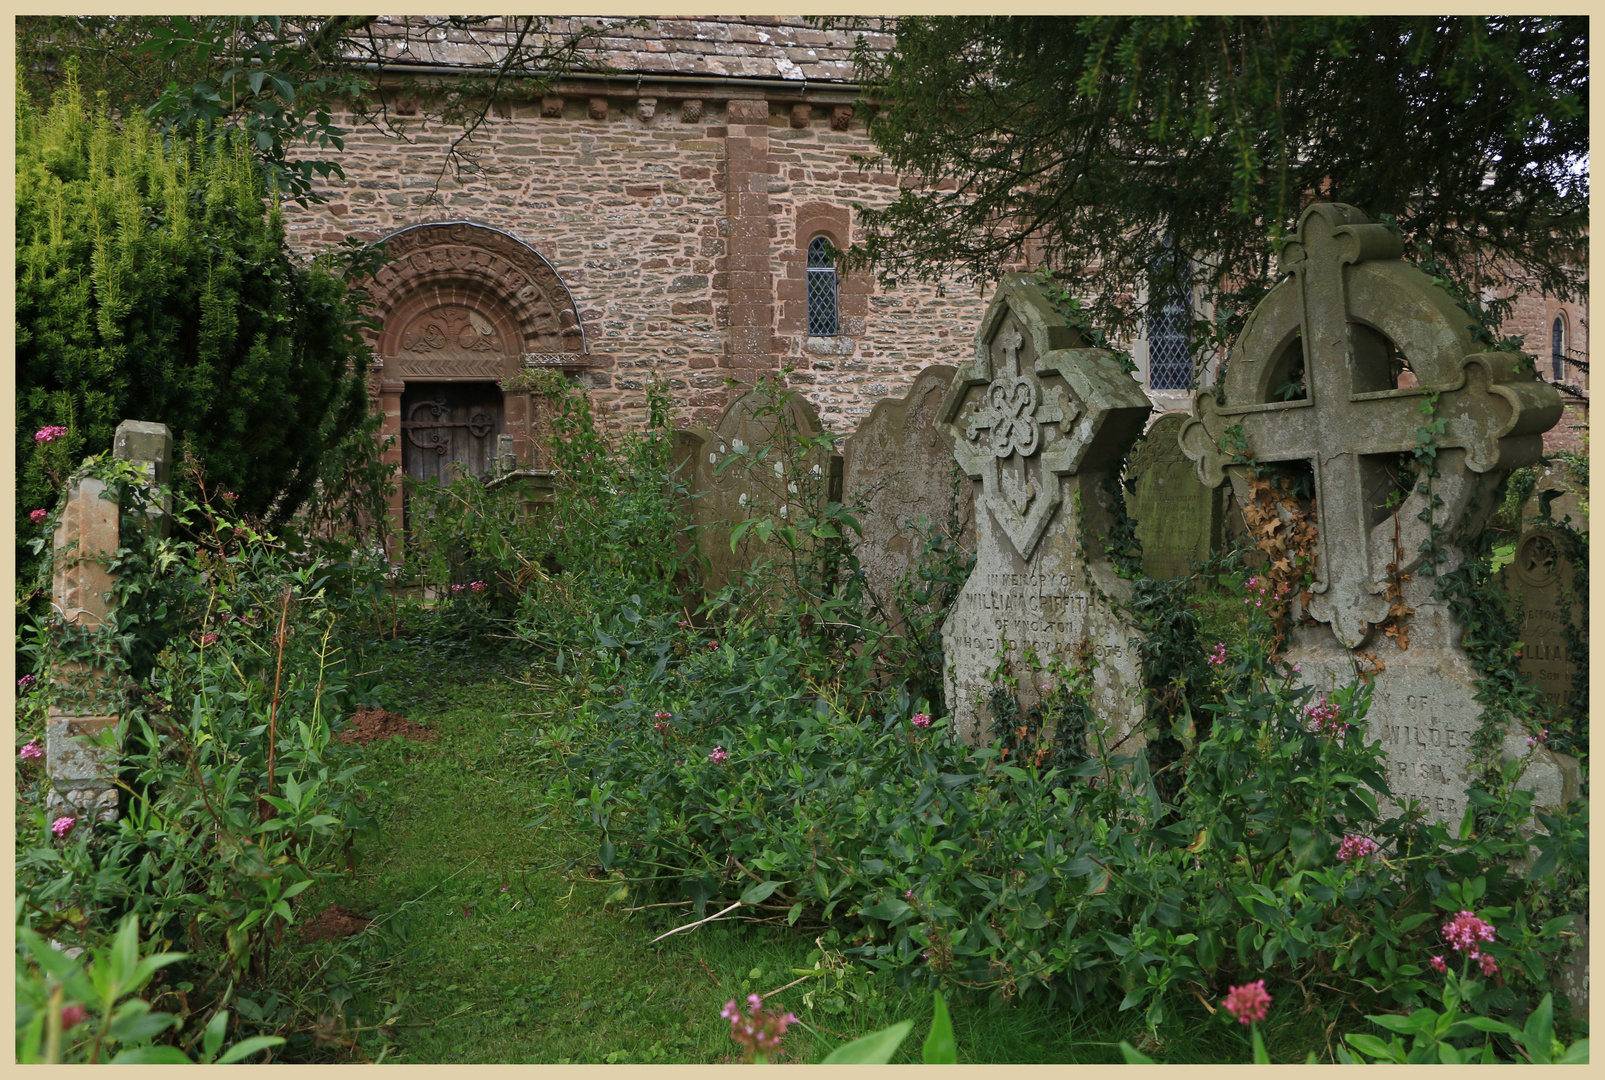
(83, 705)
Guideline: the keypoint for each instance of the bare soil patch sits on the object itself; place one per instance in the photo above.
(332, 923)
(372, 725)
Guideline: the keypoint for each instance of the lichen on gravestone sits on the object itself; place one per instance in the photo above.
(1317, 381)
(1178, 519)
(749, 467)
(900, 475)
(1040, 423)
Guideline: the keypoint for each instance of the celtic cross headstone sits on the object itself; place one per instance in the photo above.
(1038, 422)
(1315, 382)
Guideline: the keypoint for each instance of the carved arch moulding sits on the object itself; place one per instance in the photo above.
(464, 301)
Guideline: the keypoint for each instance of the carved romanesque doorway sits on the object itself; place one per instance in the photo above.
(449, 430)
(463, 309)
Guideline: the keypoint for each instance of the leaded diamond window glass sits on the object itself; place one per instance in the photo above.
(1557, 349)
(1170, 362)
(821, 290)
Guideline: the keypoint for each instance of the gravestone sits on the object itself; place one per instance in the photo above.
(1352, 318)
(757, 484)
(1178, 519)
(1540, 583)
(1040, 422)
(84, 699)
(898, 468)
(1565, 497)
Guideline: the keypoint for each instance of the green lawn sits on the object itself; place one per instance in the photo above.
(493, 941)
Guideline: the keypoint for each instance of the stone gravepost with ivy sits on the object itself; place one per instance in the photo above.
(1364, 376)
(1040, 422)
(85, 698)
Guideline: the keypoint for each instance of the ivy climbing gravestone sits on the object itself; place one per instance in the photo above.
(1315, 383)
(1178, 520)
(1040, 422)
(767, 479)
(898, 468)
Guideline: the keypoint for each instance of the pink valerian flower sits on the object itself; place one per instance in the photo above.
(1324, 717)
(456, 588)
(36, 516)
(1464, 931)
(684, 624)
(920, 720)
(26, 683)
(30, 749)
(478, 586)
(1489, 967)
(1249, 1002)
(1438, 965)
(1218, 655)
(713, 646)
(208, 637)
(62, 826)
(758, 1031)
(662, 715)
(49, 434)
(719, 756)
(229, 496)
(1355, 848)
(72, 1016)
(1535, 740)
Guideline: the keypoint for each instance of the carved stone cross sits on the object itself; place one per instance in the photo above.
(1352, 315)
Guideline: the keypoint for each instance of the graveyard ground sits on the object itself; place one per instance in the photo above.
(491, 940)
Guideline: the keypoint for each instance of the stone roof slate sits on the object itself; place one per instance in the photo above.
(744, 46)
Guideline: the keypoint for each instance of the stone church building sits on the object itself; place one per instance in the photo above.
(663, 214)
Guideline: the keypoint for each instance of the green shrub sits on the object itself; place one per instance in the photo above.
(154, 283)
(227, 657)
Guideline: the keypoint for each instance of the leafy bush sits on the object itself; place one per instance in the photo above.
(227, 658)
(769, 786)
(154, 283)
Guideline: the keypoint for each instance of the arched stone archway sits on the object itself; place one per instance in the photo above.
(460, 308)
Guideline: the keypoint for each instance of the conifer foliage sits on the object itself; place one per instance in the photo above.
(154, 283)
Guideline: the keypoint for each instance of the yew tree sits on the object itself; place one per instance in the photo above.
(1122, 150)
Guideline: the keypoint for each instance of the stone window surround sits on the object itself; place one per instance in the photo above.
(834, 223)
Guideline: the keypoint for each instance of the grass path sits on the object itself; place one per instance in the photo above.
(494, 944)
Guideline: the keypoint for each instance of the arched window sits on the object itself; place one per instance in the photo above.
(1557, 348)
(1170, 361)
(821, 289)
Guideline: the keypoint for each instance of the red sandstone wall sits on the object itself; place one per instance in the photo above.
(636, 217)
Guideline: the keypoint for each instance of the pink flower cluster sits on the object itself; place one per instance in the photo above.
(1356, 847)
(208, 638)
(72, 1016)
(1324, 717)
(49, 434)
(36, 516)
(31, 749)
(920, 720)
(26, 683)
(758, 1031)
(63, 825)
(719, 756)
(229, 496)
(1464, 931)
(1535, 740)
(1249, 1002)
(660, 721)
(478, 586)
(1218, 655)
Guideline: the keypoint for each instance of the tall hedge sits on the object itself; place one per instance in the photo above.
(154, 283)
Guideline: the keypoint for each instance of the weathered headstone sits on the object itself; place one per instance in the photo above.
(83, 700)
(1351, 317)
(1040, 422)
(1562, 493)
(767, 479)
(1178, 519)
(1540, 583)
(898, 468)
